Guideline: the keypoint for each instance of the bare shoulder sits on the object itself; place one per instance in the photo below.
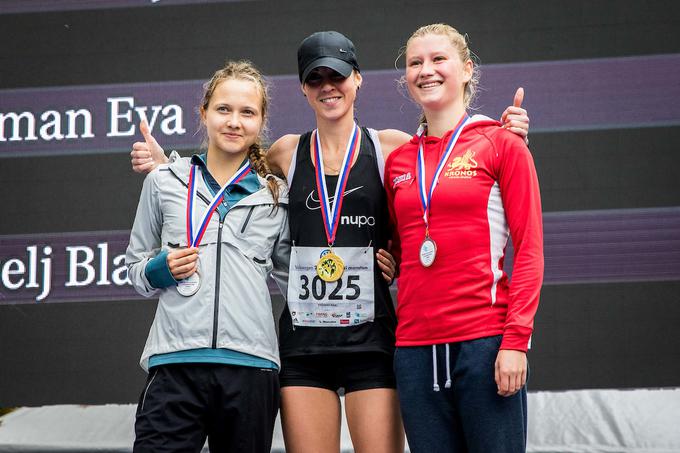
(281, 152)
(391, 139)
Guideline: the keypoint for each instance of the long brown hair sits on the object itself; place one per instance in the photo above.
(245, 70)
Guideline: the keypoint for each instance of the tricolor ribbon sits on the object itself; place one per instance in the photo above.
(193, 240)
(425, 196)
(330, 210)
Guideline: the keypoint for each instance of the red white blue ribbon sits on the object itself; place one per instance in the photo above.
(331, 207)
(194, 235)
(425, 195)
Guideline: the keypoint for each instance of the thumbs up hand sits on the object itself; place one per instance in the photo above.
(146, 155)
(515, 118)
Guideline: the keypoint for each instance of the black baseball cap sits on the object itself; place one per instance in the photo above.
(329, 49)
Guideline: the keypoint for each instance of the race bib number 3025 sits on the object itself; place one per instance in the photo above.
(345, 302)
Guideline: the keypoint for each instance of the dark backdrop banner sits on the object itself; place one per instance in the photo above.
(75, 77)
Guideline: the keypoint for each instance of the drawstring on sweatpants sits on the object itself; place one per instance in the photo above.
(448, 368)
(435, 384)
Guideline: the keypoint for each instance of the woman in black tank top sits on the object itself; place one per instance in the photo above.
(337, 334)
(362, 222)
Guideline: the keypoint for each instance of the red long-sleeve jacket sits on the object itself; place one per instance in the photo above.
(487, 191)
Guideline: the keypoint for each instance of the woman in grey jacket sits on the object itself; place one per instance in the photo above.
(207, 233)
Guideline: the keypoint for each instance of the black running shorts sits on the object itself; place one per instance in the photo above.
(349, 371)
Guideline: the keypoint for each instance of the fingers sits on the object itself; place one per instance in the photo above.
(522, 132)
(516, 107)
(386, 257)
(510, 372)
(502, 377)
(507, 383)
(515, 118)
(140, 158)
(387, 271)
(143, 167)
(146, 133)
(517, 114)
(497, 375)
(150, 145)
(516, 121)
(140, 147)
(519, 97)
(139, 153)
(518, 381)
(387, 264)
(189, 273)
(183, 262)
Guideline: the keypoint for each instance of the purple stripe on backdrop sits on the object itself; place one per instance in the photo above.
(35, 6)
(580, 247)
(560, 95)
(619, 245)
(43, 265)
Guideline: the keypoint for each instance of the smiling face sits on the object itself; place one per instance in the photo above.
(233, 117)
(331, 95)
(436, 76)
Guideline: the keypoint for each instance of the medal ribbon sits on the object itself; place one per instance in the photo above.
(425, 196)
(331, 211)
(194, 239)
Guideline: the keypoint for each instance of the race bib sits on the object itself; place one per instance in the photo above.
(347, 301)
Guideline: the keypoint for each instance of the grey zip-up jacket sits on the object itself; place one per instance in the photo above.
(232, 308)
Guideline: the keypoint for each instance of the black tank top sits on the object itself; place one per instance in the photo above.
(365, 198)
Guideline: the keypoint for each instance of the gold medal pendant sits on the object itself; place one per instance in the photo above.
(330, 266)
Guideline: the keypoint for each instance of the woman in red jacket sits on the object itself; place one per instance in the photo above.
(457, 191)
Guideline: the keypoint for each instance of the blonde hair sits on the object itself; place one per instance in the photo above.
(459, 42)
(245, 70)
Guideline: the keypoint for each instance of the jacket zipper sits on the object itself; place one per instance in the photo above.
(216, 310)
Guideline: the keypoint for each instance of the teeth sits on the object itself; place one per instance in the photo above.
(327, 100)
(429, 85)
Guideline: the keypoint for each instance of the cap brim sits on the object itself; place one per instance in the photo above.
(341, 67)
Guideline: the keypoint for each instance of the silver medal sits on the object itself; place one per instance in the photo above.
(190, 285)
(428, 251)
